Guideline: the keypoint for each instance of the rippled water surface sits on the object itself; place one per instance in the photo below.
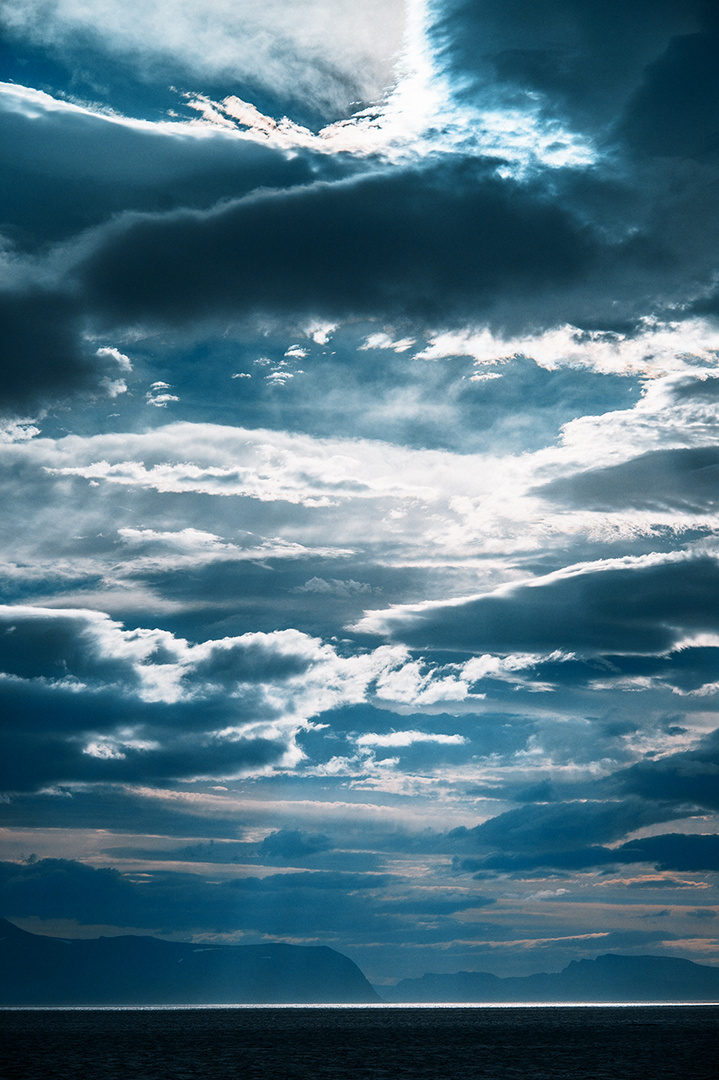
(513, 1043)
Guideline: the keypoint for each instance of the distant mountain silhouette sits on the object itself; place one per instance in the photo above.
(608, 978)
(39, 970)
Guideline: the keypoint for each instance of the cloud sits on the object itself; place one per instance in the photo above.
(291, 844)
(438, 246)
(103, 165)
(159, 395)
(218, 708)
(428, 244)
(647, 605)
(211, 225)
(277, 905)
(686, 779)
(230, 461)
(334, 586)
(583, 59)
(672, 112)
(320, 53)
(559, 828)
(59, 887)
(453, 357)
(64, 665)
(674, 851)
(88, 736)
(681, 479)
(681, 852)
(566, 837)
(652, 349)
(409, 738)
(41, 356)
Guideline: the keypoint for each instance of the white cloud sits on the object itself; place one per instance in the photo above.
(409, 738)
(383, 340)
(336, 586)
(107, 352)
(159, 395)
(114, 387)
(297, 676)
(398, 505)
(414, 684)
(327, 52)
(659, 349)
(154, 548)
(38, 105)
(17, 431)
(260, 464)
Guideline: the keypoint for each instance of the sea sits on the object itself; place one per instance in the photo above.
(577, 1042)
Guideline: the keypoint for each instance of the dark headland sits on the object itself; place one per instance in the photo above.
(37, 970)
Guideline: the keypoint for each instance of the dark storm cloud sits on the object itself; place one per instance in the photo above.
(570, 836)
(284, 847)
(673, 851)
(674, 110)
(70, 709)
(560, 827)
(234, 597)
(586, 57)
(64, 169)
(91, 720)
(38, 644)
(31, 760)
(685, 670)
(278, 905)
(294, 844)
(320, 881)
(257, 661)
(117, 807)
(63, 888)
(335, 908)
(677, 479)
(634, 609)
(442, 245)
(41, 354)
(558, 862)
(684, 852)
(425, 244)
(687, 780)
(435, 245)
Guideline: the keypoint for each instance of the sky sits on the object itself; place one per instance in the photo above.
(359, 407)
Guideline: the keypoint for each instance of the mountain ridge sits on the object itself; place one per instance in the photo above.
(145, 970)
(610, 977)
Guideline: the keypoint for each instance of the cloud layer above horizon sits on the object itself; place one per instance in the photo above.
(358, 414)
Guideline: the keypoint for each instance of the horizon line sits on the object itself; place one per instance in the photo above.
(367, 1005)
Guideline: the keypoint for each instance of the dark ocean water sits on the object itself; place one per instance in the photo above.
(511, 1043)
